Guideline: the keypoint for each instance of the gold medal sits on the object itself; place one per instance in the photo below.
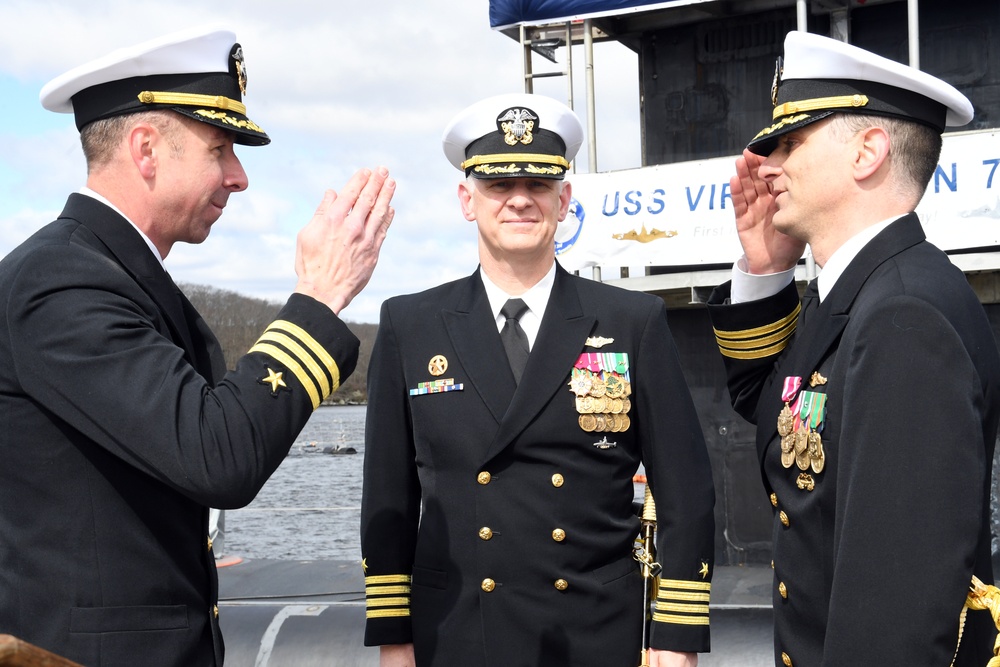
(802, 460)
(626, 406)
(785, 421)
(801, 441)
(614, 386)
(580, 383)
(613, 424)
(787, 441)
(584, 405)
(601, 404)
(616, 405)
(625, 422)
(588, 423)
(819, 461)
(602, 423)
(598, 387)
(814, 443)
(802, 449)
(787, 458)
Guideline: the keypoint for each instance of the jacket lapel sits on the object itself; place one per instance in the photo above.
(821, 333)
(132, 253)
(561, 338)
(472, 330)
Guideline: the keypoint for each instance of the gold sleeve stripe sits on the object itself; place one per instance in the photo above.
(760, 331)
(302, 355)
(683, 608)
(388, 602)
(680, 620)
(755, 343)
(294, 366)
(684, 585)
(314, 347)
(687, 597)
(760, 342)
(386, 590)
(388, 579)
(755, 354)
(387, 613)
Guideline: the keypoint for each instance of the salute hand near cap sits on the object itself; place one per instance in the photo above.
(337, 251)
(767, 250)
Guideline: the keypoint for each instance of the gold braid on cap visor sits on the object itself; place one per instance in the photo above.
(515, 157)
(839, 102)
(194, 100)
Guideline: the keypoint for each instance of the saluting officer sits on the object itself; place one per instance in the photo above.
(121, 424)
(876, 405)
(508, 412)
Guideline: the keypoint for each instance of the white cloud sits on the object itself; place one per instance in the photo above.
(338, 87)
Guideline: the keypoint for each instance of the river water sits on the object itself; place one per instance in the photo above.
(310, 509)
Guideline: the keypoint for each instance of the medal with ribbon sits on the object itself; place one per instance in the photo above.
(812, 415)
(787, 417)
(602, 385)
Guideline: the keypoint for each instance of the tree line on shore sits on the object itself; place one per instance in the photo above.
(238, 321)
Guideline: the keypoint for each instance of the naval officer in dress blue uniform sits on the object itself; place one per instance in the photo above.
(876, 401)
(121, 424)
(508, 412)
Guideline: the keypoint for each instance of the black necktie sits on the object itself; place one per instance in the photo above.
(810, 301)
(514, 339)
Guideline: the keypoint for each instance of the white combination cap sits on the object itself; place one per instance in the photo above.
(819, 76)
(199, 72)
(514, 135)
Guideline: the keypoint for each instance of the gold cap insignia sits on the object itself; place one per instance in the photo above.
(517, 125)
(776, 82)
(240, 66)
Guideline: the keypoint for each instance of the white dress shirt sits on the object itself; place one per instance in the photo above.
(536, 298)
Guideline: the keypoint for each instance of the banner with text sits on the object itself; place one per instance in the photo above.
(682, 214)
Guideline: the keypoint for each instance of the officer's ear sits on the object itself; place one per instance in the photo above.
(565, 197)
(465, 199)
(871, 150)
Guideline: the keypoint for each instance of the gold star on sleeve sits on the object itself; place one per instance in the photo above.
(275, 380)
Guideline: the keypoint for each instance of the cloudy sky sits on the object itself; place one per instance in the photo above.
(337, 86)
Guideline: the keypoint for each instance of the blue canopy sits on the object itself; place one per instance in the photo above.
(507, 13)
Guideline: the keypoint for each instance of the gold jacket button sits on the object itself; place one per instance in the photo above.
(558, 480)
(210, 544)
(485, 533)
(774, 499)
(561, 584)
(783, 518)
(558, 534)
(488, 585)
(484, 478)
(215, 610)
(783, 590)
(785, 659)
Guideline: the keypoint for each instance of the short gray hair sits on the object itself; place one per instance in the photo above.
(914, 148)
(101, 138)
